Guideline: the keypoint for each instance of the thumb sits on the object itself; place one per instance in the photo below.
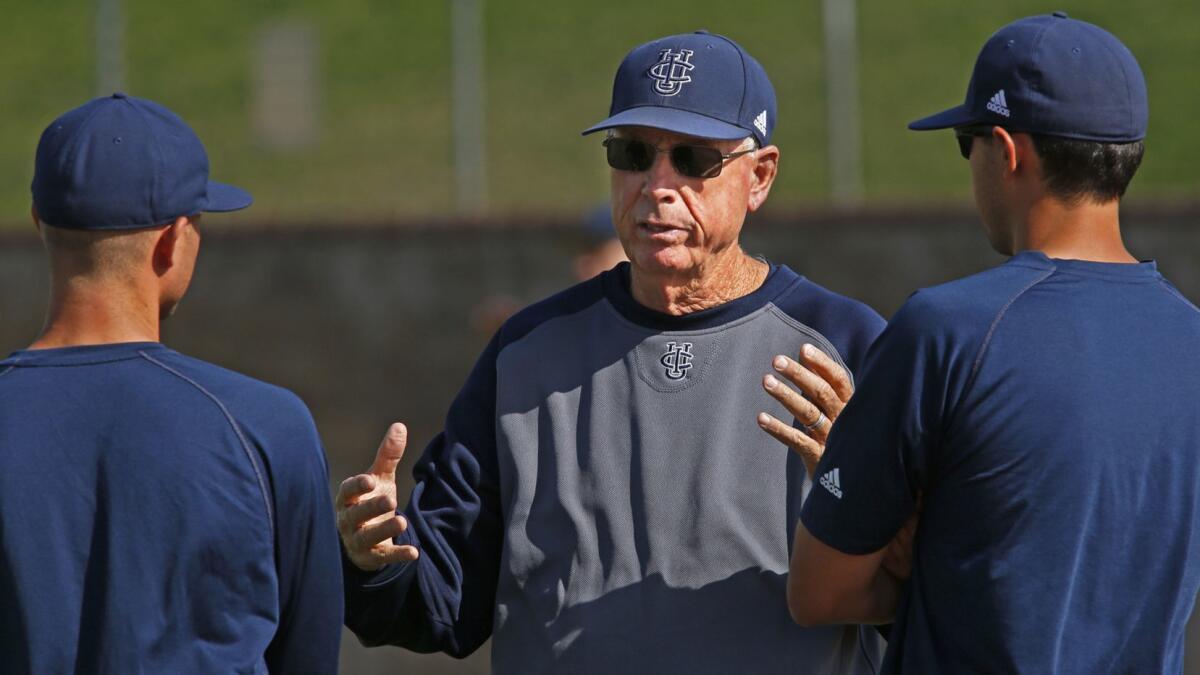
(390, 452)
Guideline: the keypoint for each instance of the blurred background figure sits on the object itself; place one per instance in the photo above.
(598, 250)
(602, 248)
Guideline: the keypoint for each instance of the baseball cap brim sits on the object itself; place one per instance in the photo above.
(672, 119)
(223, 197)
(957, 116)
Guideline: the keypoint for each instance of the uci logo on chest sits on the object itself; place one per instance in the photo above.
(677, 360)
(671, 71)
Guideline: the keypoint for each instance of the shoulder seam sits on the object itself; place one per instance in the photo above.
(504, 344)
(541, 306)
(258, 472)
(1165, 286)
(16, 361)
(805, 329)
(987, 340)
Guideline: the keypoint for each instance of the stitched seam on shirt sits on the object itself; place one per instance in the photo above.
(503, 345)
(262, 485)
(987, 341)
(1166, 287)
(813, 333)
(16, 362)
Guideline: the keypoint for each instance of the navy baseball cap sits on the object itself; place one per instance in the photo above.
(697, 84)
(123, 163)
(1057, 76)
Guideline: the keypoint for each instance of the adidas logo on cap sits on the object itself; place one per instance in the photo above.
(760, 123)
(998, 105)
(831, 481)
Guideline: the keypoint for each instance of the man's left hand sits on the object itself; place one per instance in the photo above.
(824, 390)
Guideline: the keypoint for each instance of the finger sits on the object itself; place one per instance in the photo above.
(384, 554)
(390, 451)
(370, 536)
(801, 408)
(352, 518)
(392, 553)
(815, 389)
(354, 487)
(829, 370)
(808, 449)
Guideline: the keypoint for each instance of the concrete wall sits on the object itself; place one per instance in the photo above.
(375, 324)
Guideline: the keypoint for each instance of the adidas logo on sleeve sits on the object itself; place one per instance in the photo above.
(998, 104)
(832, 481)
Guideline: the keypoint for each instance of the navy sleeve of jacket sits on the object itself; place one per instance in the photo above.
(306, 544)
(444, 600)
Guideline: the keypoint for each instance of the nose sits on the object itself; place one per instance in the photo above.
(661, 181)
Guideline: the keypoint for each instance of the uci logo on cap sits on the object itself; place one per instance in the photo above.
(671, 71)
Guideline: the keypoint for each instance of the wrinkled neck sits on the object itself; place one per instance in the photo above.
(724, 280)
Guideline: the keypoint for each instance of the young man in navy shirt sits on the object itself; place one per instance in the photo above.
(1045, 413)
(157, 513)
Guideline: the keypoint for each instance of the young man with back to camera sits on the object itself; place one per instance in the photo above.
(1044, 413)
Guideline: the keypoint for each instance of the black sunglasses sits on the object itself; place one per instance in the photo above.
(694, 161)
(966, 136)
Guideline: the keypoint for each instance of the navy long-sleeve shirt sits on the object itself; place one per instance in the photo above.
(603, 499)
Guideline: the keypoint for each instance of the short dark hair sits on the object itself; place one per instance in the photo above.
(1076, 170)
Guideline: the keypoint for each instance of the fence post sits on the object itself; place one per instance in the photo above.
(469, 103)
(841, 85)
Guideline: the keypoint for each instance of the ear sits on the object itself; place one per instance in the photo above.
(1012, 155)
(167, 247)
(766, 167)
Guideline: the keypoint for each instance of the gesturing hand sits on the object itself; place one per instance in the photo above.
(826, 389)
(366, 508)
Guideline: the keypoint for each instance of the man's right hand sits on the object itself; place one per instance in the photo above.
(366, 508)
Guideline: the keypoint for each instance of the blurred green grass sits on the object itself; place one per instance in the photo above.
(384, 125)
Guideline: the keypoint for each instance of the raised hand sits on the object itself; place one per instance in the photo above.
(366, 508)
(824, 390)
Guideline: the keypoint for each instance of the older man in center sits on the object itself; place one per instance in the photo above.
(601, 499)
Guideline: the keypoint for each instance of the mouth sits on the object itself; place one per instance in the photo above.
(664, 232)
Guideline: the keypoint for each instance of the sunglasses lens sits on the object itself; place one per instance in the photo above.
(696, 161)
(964, 144)
(629, 155)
